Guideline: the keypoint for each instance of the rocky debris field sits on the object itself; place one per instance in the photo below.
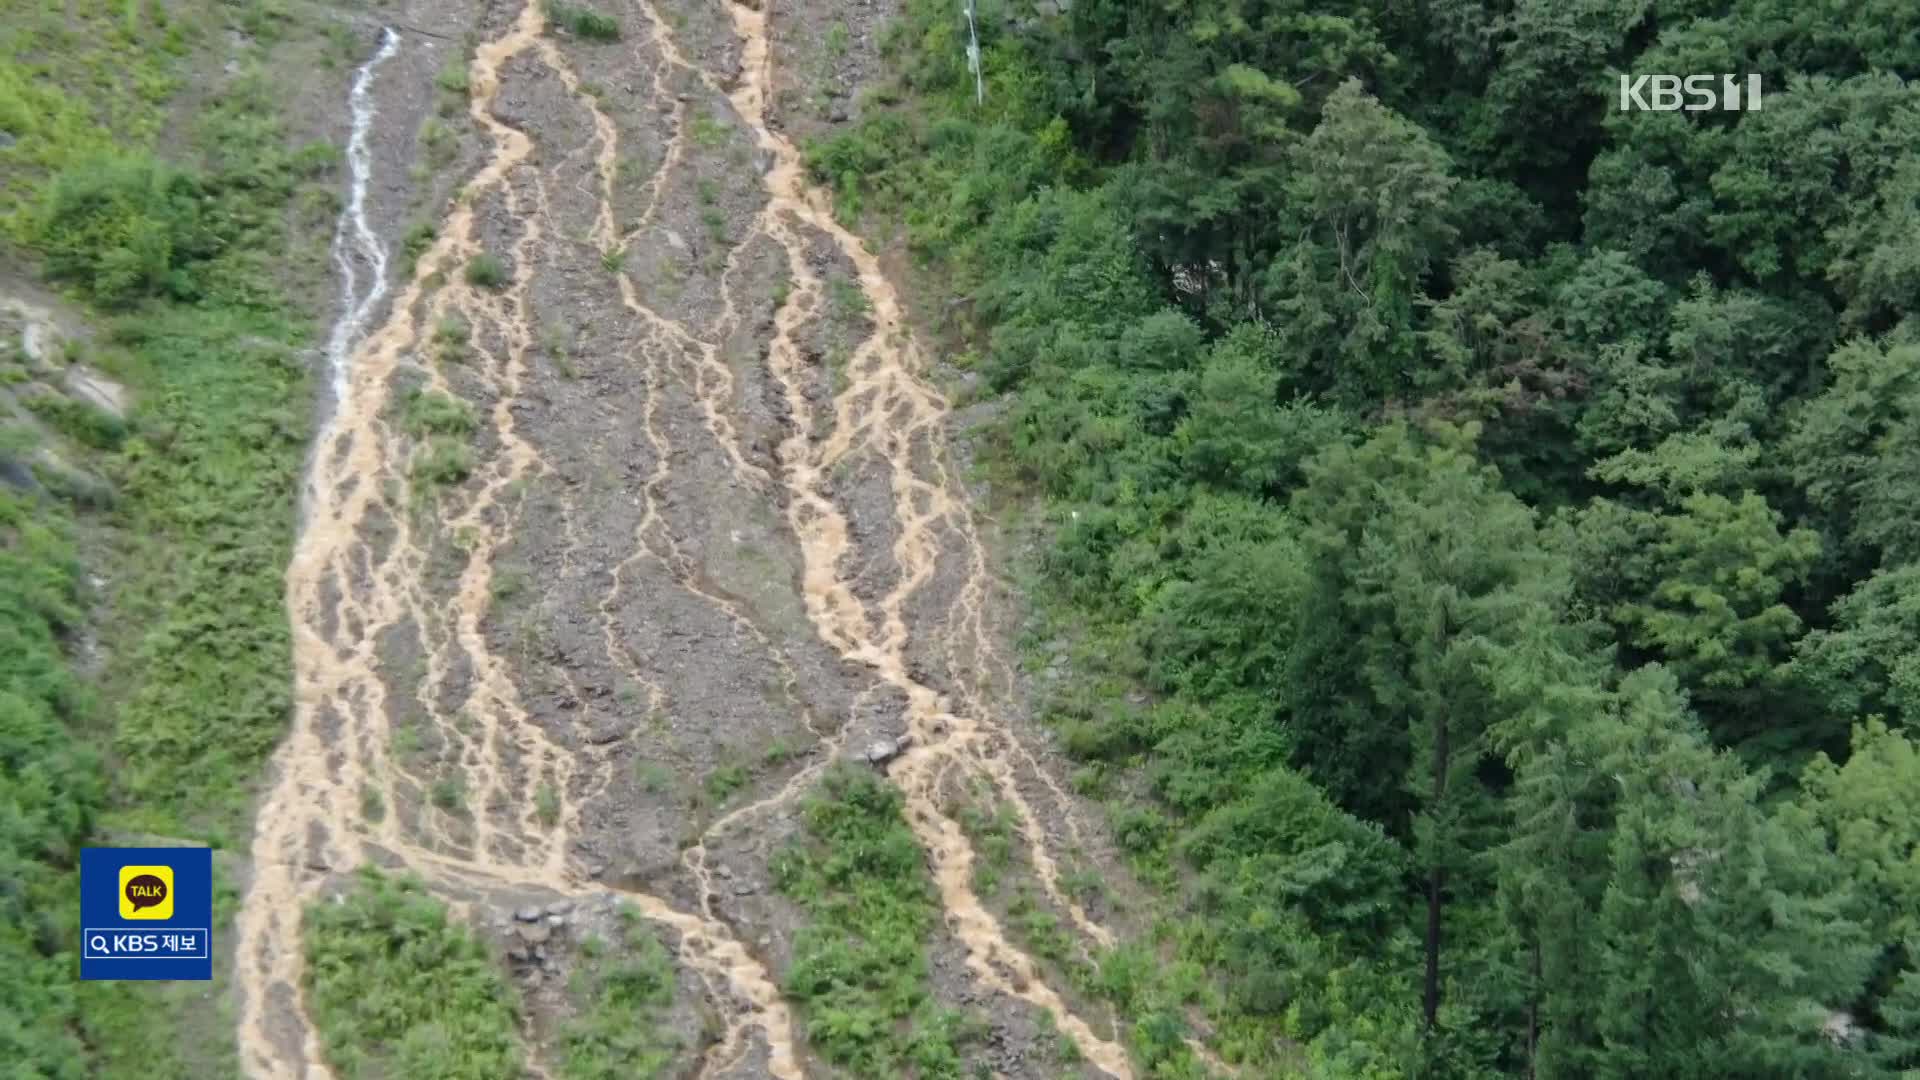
(637, 512)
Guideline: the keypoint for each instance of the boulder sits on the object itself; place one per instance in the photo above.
(881, 751)
(84, 384)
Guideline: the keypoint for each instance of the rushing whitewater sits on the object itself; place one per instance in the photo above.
(353, 239)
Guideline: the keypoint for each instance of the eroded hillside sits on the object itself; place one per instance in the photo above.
(634, 518)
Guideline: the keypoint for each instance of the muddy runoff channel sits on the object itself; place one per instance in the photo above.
(667, 491)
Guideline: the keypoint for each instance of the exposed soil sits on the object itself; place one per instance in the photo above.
(702, 533)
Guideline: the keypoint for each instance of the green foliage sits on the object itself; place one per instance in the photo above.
(708, 133)
(546, 804)
(201, 674)
(79, 420)
(582, 22)
(453, 79)
(859, 969)
(487, 271)
(398, 990)
(725, 780)
(449, 792)
(1392, 402)
(190, 638)
(52, 786)
(124, 228)
(434, 413)
(442, 462)
(1868, 662)
(419, 237)
(619, 1028)
(1700, 586)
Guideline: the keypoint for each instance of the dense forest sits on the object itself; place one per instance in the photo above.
(1483, 518)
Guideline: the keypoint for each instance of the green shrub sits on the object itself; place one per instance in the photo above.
(430, 412)
(80, 421)
(583, 22)
(54, 786)
(859, 970)
(419, 237)
(618, 1030)
(124, 227)
(449, 792)
(443, 462)
(486, 271)
(724, 781)
(398, 990)
(453, 77)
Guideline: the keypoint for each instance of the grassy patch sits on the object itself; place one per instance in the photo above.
(708, 133)
(55, 785)
(487, 271)
(80, 421)
(430, 412)
(453, 77)
(398, 990)
(443, 463)
(418, 238)
(618, 1028)
(725, 781)
(859, 971)
(582, 22)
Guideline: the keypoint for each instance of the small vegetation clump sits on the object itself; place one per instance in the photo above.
(583, 22)
(859, 969)
(546, 804)
(453, 77)
(450, 338)
(443, 462)
(449, 792)
(725, 780)
(398, 990)
(430, 412)
(486, 271)
(708, 133)
(418, 238)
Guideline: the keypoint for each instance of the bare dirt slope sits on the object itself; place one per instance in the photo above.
(635, 511)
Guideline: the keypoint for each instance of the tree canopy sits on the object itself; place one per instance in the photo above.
(1487, 515)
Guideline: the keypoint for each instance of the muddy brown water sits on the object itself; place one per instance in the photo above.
(384, 558)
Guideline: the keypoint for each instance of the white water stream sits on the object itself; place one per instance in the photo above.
(354, 243)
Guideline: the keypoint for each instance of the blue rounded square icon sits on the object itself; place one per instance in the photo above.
(146, 913)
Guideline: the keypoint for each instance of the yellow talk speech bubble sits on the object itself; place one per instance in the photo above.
(146, 892)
